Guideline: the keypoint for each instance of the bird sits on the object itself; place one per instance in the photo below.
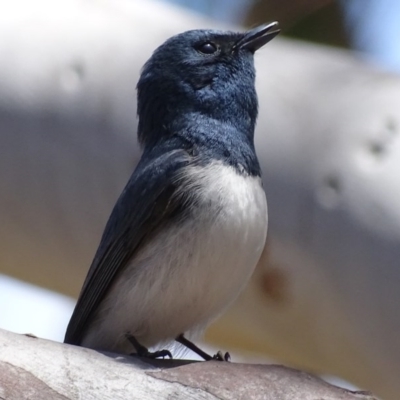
(186, 233)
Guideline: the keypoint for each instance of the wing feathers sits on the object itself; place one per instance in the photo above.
(145, 204)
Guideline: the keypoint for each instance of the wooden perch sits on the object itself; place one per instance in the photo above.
(37, 369)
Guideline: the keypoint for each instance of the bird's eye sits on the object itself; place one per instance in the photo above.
(207, 48)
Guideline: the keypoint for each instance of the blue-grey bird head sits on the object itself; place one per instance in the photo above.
(201, 78)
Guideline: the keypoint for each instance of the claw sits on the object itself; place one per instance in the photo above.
(222, 357)
(153, 354)
(142, 351)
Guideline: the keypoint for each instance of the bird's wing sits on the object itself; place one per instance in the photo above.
(146, 203)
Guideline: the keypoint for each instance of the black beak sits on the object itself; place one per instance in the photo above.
(258, 37)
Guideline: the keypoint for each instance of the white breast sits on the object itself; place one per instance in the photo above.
(189, 273)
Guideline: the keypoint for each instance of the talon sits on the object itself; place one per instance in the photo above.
(218, 357)
(158, 354)
(153, 354)
(142, 351)
(222, 357)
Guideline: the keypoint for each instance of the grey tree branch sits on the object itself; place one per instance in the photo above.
(37, 369)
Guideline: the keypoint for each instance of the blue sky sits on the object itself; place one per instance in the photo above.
(375, 28)
(374, 24)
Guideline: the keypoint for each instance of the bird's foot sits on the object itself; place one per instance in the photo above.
(153, 354)
(222, 357)
(217, 357)
(142, 351)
